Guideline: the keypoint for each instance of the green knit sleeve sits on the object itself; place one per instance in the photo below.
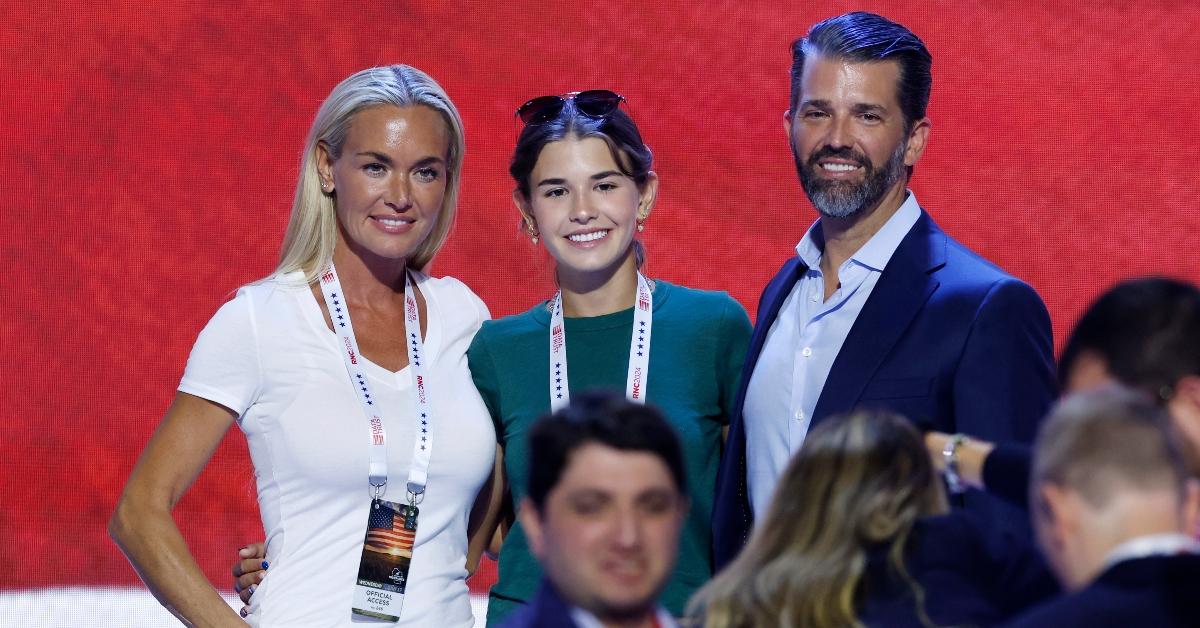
(735, 338)
(486, 376)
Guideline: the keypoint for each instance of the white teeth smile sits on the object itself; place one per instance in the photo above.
(393, 222)
(587, 237)
(839, 167)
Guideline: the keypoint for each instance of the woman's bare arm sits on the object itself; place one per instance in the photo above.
(142, 525)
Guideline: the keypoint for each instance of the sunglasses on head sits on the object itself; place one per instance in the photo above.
(593, 103)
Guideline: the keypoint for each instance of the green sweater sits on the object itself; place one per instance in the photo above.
(697, 347)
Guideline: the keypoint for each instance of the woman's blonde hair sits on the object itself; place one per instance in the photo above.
(312, 229)
(859, 480)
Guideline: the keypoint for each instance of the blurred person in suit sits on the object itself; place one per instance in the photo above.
(1114, 506)
(606, 502)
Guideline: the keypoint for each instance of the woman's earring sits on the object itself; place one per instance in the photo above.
(533, 237)
(641, 226)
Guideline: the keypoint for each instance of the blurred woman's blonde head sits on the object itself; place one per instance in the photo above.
(859, 480)
(312, 229)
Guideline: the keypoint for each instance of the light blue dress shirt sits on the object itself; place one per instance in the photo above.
(801, 346)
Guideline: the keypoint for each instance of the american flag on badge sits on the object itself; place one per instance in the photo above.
(386, 533)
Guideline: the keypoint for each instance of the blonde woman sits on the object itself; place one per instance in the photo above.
(858, 534)
(346, 370)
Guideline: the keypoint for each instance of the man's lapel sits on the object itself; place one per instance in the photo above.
(773, 297)
(901, 292)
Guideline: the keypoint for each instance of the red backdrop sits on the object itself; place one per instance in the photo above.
(150, 152)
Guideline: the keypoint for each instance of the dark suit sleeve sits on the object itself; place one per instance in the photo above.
(1006, 473)
(1004, 383)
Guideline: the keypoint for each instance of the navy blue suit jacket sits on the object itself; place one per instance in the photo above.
(946, 339)
(546, 610)
(971, 572)
(1156, 591)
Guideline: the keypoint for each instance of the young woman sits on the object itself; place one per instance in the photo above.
(584, 189)
(858, 534)
(346, 370)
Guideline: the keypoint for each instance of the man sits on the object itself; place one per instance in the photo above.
(1113, 504)
(880, 307)
(606, 501)
(1143, 333)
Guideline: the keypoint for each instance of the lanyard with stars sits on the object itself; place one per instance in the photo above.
(418, 473)
(639, 349)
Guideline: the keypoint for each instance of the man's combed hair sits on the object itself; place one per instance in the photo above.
(1146, 330)
(866, 37)
(604, 418)
(1103, 441)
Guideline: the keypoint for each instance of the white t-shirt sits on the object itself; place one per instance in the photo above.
(268, 356)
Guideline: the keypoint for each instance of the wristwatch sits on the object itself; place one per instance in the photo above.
(954, 482)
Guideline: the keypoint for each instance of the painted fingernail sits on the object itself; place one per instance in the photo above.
(251, 589)
(243, 611)
(265, 565)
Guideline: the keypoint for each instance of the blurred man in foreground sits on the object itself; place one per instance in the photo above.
(1113, 506)
(607, 498)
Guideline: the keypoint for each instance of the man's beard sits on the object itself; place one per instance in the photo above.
(840, 199)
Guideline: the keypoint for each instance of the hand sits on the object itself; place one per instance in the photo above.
(249, 570)
(971, 454)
